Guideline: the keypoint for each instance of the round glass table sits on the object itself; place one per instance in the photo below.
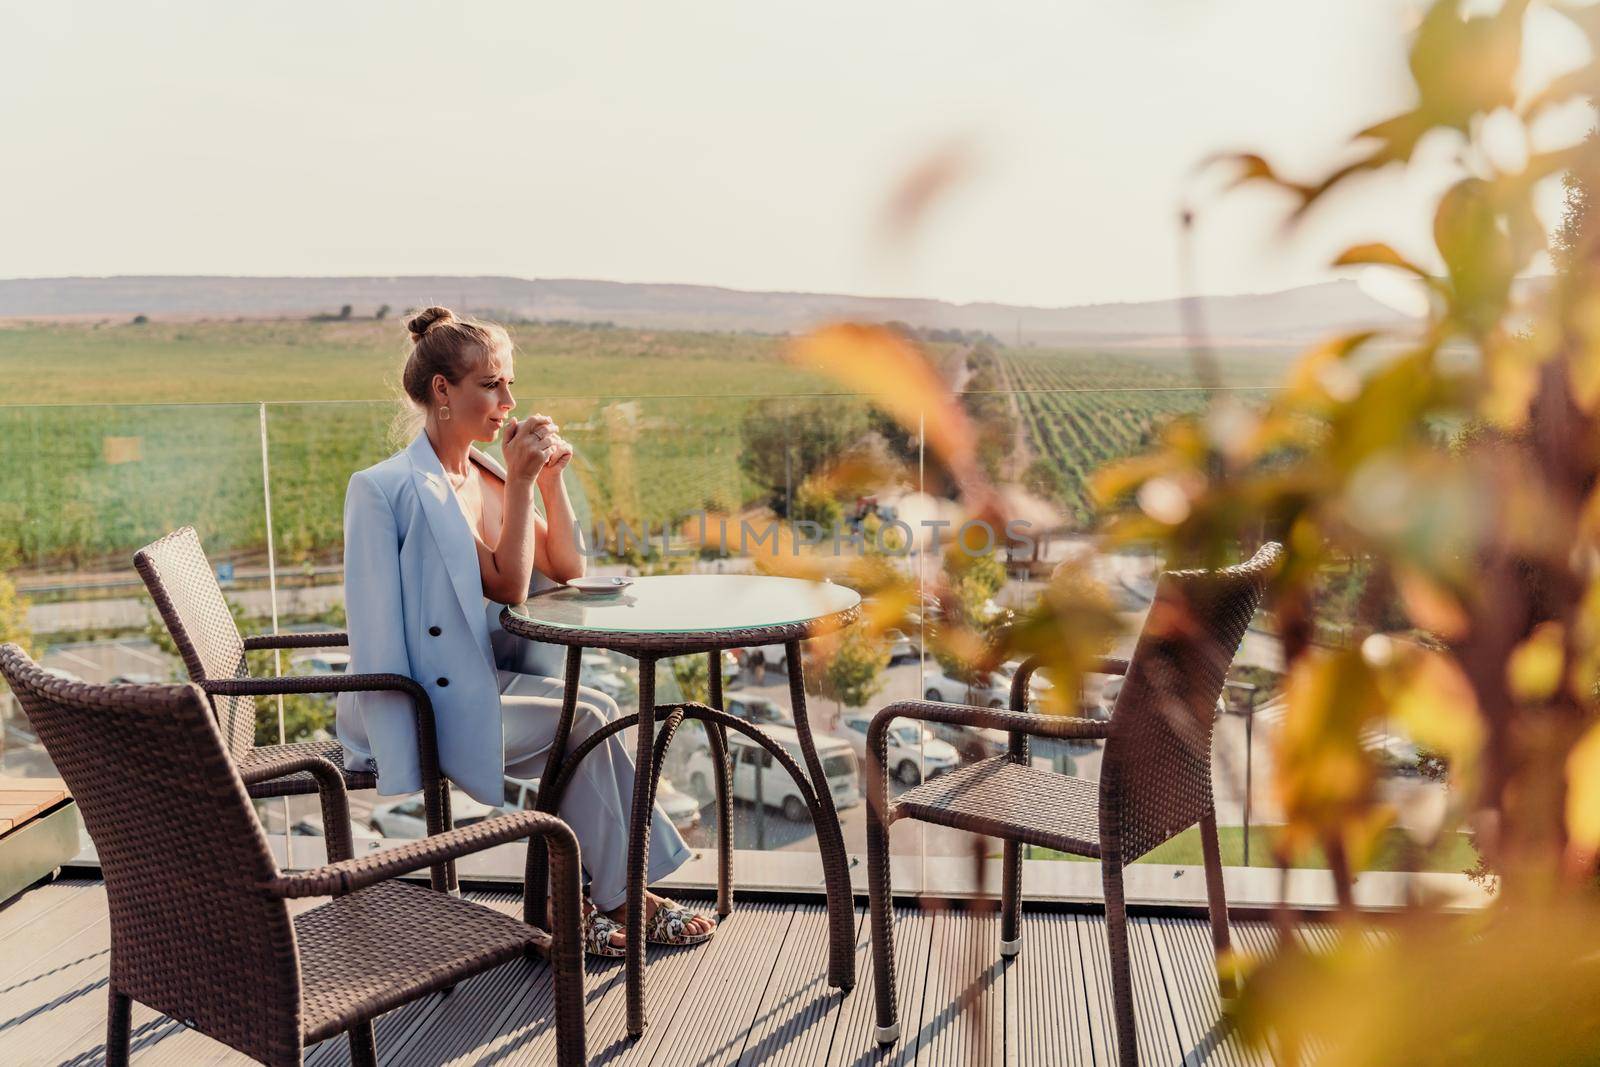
(663, 616)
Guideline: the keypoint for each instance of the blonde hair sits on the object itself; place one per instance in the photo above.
(440, 344)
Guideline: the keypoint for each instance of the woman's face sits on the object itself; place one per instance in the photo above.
(482, 400)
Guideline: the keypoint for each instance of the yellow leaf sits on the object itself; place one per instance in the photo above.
(1323, 778)
(1535, 666)
(897, 377)
(1583, 369)
(1433, 702)
(1429, 604)
(1378, 254)
(1583, 792)
(1119, 478)
(1362, 834)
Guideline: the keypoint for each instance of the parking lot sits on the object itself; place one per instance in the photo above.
(768, 828)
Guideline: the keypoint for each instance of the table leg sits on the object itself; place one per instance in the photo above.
(639, 843)
(717, 738)
(538, 887)
(830, 840)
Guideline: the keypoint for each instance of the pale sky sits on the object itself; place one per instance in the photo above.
(746, 144)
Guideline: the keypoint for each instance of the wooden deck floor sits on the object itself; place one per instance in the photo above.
(754, 995)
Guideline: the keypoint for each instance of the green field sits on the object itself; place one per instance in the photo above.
(111, 433)
(1079, 414)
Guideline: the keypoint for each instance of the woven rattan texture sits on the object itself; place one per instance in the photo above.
(200, 930)
(1156, 775)
(296, 784)
(381, 947)
(184, 587)
(182, 854)
(1004, 799)
(676, 644)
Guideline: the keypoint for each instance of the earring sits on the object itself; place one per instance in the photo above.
(444, 413)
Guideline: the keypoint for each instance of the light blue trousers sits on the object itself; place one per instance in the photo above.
(600, 796)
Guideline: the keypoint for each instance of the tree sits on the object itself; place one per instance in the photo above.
(14, 616)
(693, 675)
(784, 441)
(815, 502)
(382, 312)
(1042, 479)
(848, 666)
(346, 311)
(974, 581)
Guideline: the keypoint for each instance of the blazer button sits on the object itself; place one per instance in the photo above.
(442, 682)
(434, 631)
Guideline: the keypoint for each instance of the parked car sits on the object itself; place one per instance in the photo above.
(758, 710)
(914, 750)
(600, 671)
(993, 690)
(972, 742)
(901, 646)
(311, 825)
(322, 661)
(522, 794)
(778, 790)
(680, 807)
(405, 818)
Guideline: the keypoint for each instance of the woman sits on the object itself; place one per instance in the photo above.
(437, 537)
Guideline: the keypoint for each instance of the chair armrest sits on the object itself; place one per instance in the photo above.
(330, 789)
(1019, 682)
(352, 874)
(427, 740)
(1035, 725)
(329, 639)
(316, 683)
(1109, 665)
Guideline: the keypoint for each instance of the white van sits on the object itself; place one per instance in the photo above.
(777, 788)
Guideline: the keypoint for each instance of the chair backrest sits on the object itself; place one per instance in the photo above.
(1155, 779)
(185, 590)
(193, 934)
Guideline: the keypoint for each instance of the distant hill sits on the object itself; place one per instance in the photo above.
(1267, 319)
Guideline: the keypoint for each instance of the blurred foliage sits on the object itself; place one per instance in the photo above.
(814, 502)
(1438, 482)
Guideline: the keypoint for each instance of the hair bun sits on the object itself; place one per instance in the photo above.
(426, 319)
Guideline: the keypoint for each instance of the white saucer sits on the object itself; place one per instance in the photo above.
(609, 584)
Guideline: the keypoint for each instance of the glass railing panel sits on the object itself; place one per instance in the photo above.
(655, 483)
(82, 488)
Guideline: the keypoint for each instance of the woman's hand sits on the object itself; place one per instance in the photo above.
(557, 451)
(526, 447)
(560, 456)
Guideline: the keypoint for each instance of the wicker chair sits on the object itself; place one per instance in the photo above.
(1155, 777)
(184, 587)
(200, 927)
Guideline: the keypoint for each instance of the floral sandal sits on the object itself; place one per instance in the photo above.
(597, 930)
(670, 925)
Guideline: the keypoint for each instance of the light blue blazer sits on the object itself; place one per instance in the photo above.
(414, 599)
